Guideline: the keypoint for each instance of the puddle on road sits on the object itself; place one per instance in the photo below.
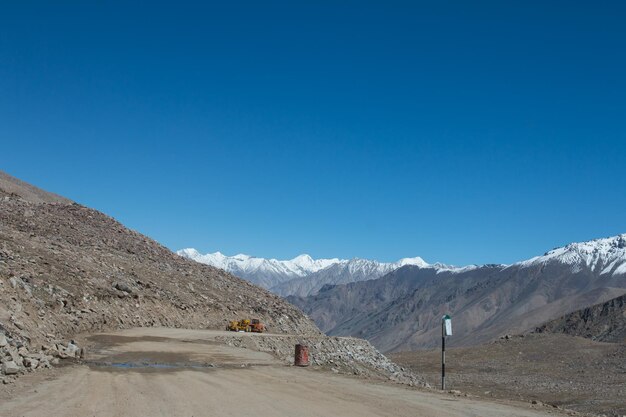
(105, 358)
(116, 339)
(167, 361)
(105, 366)
(146, 366)
(111, 340)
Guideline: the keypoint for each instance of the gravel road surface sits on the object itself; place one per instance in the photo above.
(174, 372)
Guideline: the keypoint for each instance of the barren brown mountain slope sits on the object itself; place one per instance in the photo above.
(604, 322)
(19, 188)
(67, 269)
(402, 310)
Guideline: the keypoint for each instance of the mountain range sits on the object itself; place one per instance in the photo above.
(263, 272)
(302, 275)
(402, 310)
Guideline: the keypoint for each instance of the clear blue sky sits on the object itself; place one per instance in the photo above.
(462, 132)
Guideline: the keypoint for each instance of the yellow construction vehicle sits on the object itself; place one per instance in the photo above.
(239, 326)
(246, 325)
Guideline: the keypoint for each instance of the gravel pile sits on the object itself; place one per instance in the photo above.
(340, 354)
(16, 358)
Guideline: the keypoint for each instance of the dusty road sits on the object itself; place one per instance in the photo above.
(171, 372)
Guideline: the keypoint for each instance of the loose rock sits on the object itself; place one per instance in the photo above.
(10, 368)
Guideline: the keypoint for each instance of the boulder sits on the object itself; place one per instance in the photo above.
(10, 368)
(3, 340)
(15, 356)
(60, 351)
(122, 287)
(31, 363)
(72, 350)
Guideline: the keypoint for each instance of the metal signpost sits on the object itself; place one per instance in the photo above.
(446, 330)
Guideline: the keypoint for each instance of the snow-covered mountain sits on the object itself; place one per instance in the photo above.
(302, 275)
(603, 256)
(402, 310)
(343, 272)
(260, 271)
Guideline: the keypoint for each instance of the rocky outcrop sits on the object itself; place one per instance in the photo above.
(18, 358)
(604, 322)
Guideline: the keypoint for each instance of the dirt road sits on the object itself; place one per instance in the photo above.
(172, 372)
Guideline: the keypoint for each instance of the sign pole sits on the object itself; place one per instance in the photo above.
(446, 330)
(443, 356)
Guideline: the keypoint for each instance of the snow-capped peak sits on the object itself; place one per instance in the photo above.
(607, 255)
(309, 265)
(417, 261)
(189, 252)
(269, 270)
(302, 258)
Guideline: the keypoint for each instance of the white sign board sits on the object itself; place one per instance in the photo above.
(447, 325)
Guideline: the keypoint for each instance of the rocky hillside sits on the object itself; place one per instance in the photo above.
(604, 322)
(13, 186)
(390, 310)
(402, 310)
(66, 269)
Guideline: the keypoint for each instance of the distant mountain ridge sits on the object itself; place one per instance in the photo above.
(606, 256)
(260, 271)
(355, 270)
(304, 275)
(402, 310)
